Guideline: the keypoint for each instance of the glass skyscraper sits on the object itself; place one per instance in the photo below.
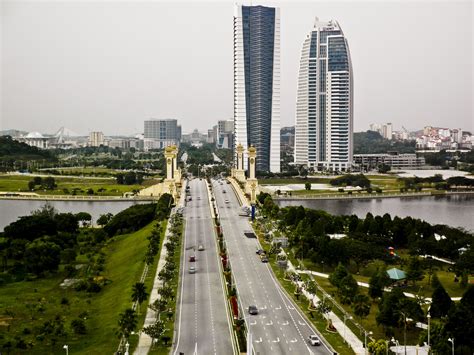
(324, 106)
(257, 83)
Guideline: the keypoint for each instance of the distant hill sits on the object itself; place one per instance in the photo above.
(372, 142)
(12, 132)
(11, 150)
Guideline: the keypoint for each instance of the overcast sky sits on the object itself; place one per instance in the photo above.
(109, 65)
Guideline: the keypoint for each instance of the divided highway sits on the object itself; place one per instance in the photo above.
(202, 326)
(279, 327)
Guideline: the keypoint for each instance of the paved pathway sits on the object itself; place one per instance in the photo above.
(145, 341)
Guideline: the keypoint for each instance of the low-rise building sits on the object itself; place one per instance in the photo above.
(393, 159)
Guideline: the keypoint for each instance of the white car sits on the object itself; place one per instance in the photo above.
(192, 270)
(314, 340)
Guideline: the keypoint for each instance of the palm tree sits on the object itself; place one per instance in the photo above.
(127, 322)
(361, 306)
(139, 294)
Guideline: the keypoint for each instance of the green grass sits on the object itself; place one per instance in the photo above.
(17, 183)
(124, 266)
(285, 181)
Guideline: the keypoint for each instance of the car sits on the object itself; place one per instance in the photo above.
(201, 247)
(260, 251)
(190, 198)
(224, 191)
(253, 310)
(226, 201)
(314, 340)
(192, 270)
(264, 259)
(192, 258)
(199, 197)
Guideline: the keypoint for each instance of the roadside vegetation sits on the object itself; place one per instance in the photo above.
(63, 282)
(351, 249)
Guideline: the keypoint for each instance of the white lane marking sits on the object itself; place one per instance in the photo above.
(253, 322)
(269, 323)
(278, 308)
(277, 340)
(285, 323)
(294, 340)
(259, 340)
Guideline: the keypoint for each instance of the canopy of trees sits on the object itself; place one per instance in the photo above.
(372, 142)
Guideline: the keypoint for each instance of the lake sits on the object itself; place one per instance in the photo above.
(10, 210)
(453, 210)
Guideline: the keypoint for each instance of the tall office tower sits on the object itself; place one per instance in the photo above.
(257, 83)
(159, 134)
(324, 106)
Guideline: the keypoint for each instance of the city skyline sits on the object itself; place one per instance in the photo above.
(90, 77)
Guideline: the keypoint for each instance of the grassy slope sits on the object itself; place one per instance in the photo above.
(124, 265)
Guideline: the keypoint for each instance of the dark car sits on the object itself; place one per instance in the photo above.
(253, 310)
(192, 258)
(260, 251)
(264, 259)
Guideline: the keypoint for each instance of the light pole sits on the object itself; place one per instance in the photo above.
(66, 347)
(127, 346)
(404, 331)
(395, 341)
(429, 318)
(345, 318)
(365, 340)
(451, 340)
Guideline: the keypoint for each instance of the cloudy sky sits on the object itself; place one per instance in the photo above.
(108, 65)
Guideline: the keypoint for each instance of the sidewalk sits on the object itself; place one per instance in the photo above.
(343, 330)
(144, 341)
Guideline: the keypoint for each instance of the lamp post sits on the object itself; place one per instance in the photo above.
(345, 318)
(404, 330)
(429, 318)
(127, 346)
(397, 344)
(451, 340)
(66, 347)
(365, 340)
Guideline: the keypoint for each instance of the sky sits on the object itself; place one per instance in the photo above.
(109, 65)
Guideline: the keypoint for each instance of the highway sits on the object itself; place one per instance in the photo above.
(279, 328)
(202, 326)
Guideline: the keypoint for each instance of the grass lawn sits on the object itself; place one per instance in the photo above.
(14, 183)
(124, 266)
(285, 181)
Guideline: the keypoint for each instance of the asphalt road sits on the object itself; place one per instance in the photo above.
(202, 326)
(279, 328)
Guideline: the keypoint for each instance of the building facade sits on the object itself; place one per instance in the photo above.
(225, 134)
(257, 83)
(369, 162)
(324, 105)
(96, 139)
(159, 134)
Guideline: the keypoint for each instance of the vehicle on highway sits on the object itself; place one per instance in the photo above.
(260, 251)
(226, 201)
(253, 310)
(192, 258)
(264, 259)
(190, 198)
(199, 197)
(314, 340)
(224, 191)
(201, 247)
(192, 270)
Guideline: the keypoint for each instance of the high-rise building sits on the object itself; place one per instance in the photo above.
(324, 106)
(387, 131)
(225, 134)
(96, 139)
(159, 134)
(257, 83)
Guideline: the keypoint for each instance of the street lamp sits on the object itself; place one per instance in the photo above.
(127, 346)
(66, 347)
(451, 340)
(345, 318)
(397, 344)
(365, 339)
(429, 318)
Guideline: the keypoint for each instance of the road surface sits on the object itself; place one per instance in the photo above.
(202, 326)
(279, 328)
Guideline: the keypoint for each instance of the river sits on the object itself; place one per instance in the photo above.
(453, 210)
(10, 210)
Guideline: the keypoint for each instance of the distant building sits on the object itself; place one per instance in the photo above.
(394, 160)
(225, 134)
(210, 136)
(287, 138)
(160, 133)
(194, 137)
(324, 104)
(36, 139)
(436, 139)
(385, 130)
(257, 83)
(96, 139)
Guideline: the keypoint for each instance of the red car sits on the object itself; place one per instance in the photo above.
(192, 258)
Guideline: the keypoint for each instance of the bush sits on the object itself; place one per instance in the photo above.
(78, 326)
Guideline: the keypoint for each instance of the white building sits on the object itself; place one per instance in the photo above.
(324, 105)
(257, 86)
(96, 139)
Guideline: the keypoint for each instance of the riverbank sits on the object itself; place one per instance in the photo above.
(36, 197)
(369, 196)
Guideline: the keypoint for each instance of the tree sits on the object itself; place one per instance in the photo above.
(84, 217)
(435, 283)
(307, 186)
(339, 273)
(78, 326)
(49, 183)
(441, 302)
(31, 185)
(377, 283)
(323, 307)
(159, 306)
(361, 306)
(41, 256)
(104, 219)
(139, 294)
(378, 347)
(415, 270)
(156, 330)
(348, 289)
(127, 322)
